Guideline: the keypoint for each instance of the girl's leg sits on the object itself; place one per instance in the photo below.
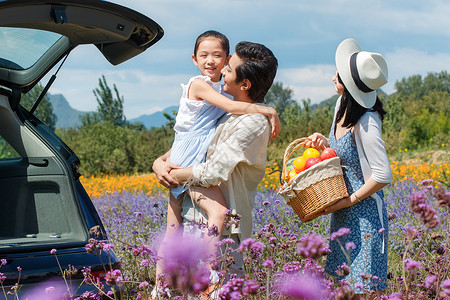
(212, 202)
(174, 220)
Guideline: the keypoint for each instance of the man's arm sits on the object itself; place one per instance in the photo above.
(162, 167)
(237, 143)
(181, 175)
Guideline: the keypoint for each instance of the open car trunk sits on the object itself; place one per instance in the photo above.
(118, 32)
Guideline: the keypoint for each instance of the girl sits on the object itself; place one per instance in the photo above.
(202, 103)
(356, 137)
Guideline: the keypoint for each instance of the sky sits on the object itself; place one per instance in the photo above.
(412, 35)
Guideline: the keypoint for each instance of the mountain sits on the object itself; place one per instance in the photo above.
(70, 117)
(67, 116)
(156, 119)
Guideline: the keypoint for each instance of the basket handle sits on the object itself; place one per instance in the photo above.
(287, 154)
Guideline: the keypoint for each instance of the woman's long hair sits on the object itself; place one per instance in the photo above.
(353, 111)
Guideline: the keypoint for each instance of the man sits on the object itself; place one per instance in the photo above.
(236, 159)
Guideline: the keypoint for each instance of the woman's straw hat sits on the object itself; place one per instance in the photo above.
(361, 72)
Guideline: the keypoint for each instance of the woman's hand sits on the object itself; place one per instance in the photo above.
(162, 167)
(340, 204)
(317, 140)
(275, 123)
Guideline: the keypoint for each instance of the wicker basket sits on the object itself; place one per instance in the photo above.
(314, 189)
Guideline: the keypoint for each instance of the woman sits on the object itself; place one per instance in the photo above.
(356, 137)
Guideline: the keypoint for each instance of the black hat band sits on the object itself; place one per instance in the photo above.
(355, 75)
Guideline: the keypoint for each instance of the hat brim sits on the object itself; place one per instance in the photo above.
(343, 52)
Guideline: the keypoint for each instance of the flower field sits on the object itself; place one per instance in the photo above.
(284, 259)
(97, 186)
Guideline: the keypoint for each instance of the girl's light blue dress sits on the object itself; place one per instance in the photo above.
(368, 261)
(194, 129)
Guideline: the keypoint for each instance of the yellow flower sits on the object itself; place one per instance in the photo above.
(431, 139)
(406, 150)
(101, 184)
(107, 184)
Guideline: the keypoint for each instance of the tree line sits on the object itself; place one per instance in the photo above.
(418, 117)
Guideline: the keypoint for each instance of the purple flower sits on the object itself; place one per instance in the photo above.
(184, 264)
(445, 284)
(343, 270)
(245, 244)
(213, 230)
(2, 277)
(426, 181)
(396, 296)
(430, 281)
(412, 264)
(53, 251)
(350, 246)
(2, 262)
(237, 288)
(292, 267)
(143, 285)
(48, 290)
(381, 230)
(302, 287)
(225, 241)
(90, 248)
(228, 241)
(107, 247)
(410, 233)
(268, 264)
(88, 296)
(250, 287)
(341, 232)
(114, 277)
(146, 263)
(19, 268)
(312, 246)
(254, 248)
(143, 250)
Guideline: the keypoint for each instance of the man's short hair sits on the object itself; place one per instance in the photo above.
(259, 66)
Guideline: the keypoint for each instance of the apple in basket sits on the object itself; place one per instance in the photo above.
(327, 153)
(311, 162)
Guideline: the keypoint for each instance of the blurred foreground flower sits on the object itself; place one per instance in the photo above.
(446, 287)
(302, 287)
(184, 264)
(49, 290)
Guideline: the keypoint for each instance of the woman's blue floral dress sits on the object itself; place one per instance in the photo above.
(368, 260)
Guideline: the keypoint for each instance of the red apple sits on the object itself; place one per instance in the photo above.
(327, 153)
(311, 162)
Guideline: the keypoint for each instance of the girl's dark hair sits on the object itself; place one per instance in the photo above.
(353, 111)
(213, 34)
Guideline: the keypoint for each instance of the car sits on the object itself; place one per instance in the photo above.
(46, 216)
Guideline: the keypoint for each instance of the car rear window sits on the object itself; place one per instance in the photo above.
(21, 47)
